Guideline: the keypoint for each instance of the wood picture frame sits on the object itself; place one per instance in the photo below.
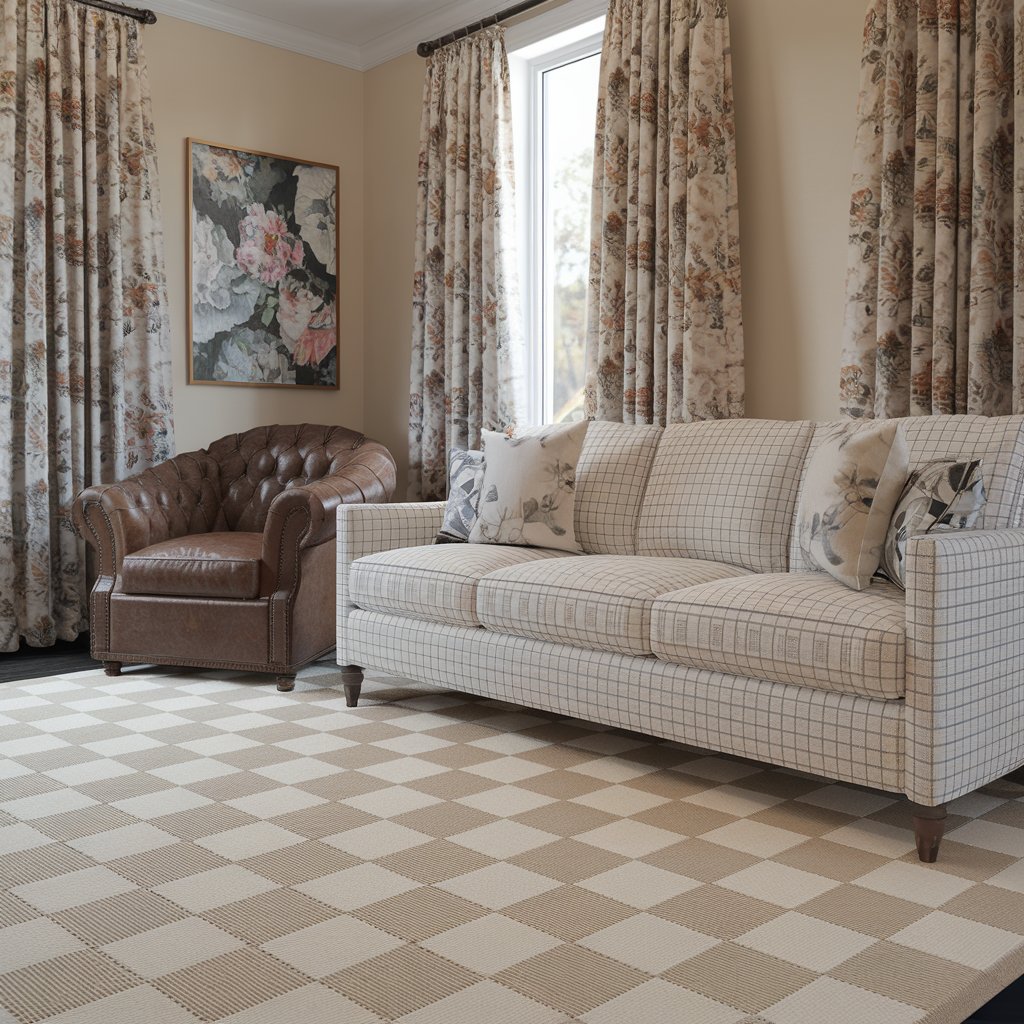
(262, 268)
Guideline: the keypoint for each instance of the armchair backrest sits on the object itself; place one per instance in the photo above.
(257, 465)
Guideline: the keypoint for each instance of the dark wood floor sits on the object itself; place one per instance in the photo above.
(35, 662)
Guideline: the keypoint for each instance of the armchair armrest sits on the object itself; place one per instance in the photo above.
(369, 529)
(302, 517)
(965, 661)
(175, 498)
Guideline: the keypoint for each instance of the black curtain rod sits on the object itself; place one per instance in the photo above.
(146, 17)
(426, 49)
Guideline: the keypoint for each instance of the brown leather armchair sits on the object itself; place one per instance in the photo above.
(224, 557)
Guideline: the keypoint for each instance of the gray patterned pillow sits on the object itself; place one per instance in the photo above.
(465, 474)
(851, 485)
(528, 495)
(941, 495)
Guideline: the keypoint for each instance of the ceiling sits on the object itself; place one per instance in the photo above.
(355, 33)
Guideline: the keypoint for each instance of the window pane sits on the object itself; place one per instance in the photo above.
(570, 102)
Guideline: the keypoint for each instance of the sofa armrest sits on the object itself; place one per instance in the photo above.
(965, 661)
(369, 529)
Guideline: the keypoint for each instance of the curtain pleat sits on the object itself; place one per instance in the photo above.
(466, 337)
(934, 319)
(85, 366)
(665, 327)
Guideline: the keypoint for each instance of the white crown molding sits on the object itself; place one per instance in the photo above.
(383, 48)
(405, 38)
(263, 30)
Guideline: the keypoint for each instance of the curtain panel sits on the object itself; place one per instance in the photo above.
(85, 371)
(935, 287)
(665, 326)
(466, 335)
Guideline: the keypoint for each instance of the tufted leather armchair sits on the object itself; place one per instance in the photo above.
(223, 558)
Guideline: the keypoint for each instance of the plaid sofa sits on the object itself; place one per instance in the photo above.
(692, 615)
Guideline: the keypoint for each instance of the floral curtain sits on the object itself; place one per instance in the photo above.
(85, 374)
(935, 286)
(665, 328)
(466, 333)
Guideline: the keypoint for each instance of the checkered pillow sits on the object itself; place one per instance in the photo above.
(465, 475)
(942, 495)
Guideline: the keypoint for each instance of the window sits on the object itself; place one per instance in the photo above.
(555, 98)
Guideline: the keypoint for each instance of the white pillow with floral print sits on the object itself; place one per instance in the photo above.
(852, 484)
(528, 494)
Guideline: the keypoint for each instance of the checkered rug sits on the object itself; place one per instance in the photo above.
(178, 847)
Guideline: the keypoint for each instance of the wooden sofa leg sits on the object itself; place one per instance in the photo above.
(929, 826)
(286, 683)
(353, 683)
(112, 668)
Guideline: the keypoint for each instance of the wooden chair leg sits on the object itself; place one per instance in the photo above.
(112, 668)
(353, 683)
(286, 683)
(929, 827)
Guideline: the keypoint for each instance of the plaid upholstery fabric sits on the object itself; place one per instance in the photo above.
(844, 737)
(610, 482)
(997, 440)
(436, 582)
(725, 490)
(602, 602)
(802, 628)
(965, 652)
(367, 529)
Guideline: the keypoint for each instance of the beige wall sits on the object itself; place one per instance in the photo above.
(796, 71)
(219, 87)
(393, 102)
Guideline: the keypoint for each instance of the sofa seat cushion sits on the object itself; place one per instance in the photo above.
(804, 628)
(223, 564)
(601, 602)
(437, 582)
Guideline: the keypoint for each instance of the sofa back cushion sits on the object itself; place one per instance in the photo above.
(725, 490)
(610, 481)
(997, 440)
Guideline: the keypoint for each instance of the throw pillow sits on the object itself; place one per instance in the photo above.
(465, 474)
(940, 496)
(851, 486)
(528, 494)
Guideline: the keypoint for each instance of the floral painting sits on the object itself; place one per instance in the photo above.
(263, 269)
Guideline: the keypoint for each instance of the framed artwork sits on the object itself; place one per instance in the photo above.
(262, 268)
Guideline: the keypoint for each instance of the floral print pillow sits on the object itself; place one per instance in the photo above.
(942, 495)
(851, 486)
(465, 475)
(528, 493)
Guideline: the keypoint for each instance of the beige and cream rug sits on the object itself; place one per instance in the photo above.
(179, 847)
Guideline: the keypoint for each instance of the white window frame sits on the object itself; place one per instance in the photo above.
(538, 54)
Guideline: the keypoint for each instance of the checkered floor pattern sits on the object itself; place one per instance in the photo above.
(182, 847)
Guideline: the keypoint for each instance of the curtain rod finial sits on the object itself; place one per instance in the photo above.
(425, 49)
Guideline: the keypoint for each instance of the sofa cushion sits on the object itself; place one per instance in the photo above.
(610, 481)
(804, 628)
(601, 602)
(435, 582)
(223, 564)
(725, 490)
(997, 440)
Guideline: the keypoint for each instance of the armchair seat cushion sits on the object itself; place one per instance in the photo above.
(804, 628)
(222, 564)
